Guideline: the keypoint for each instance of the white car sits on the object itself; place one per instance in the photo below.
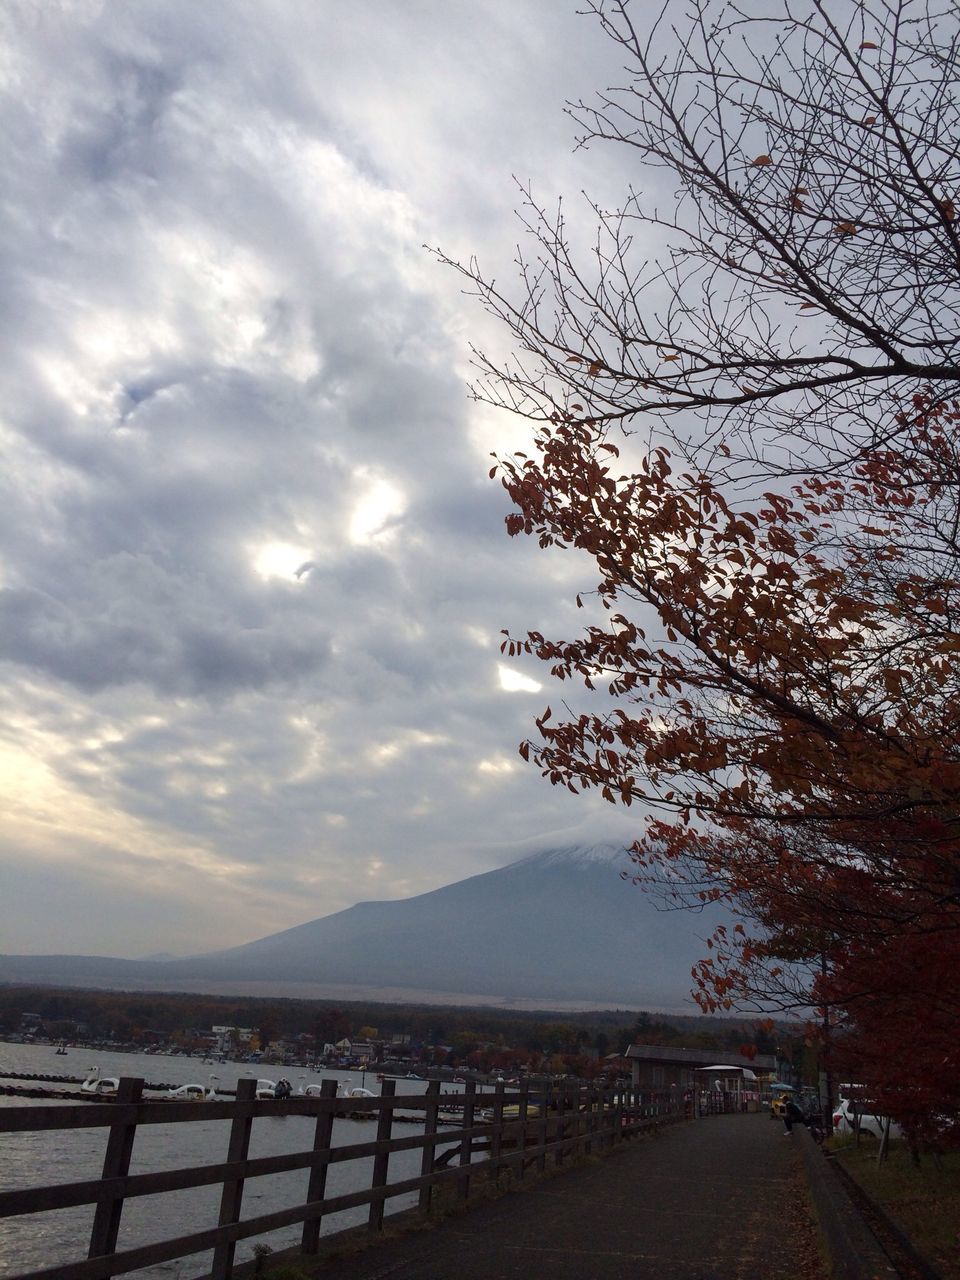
(845, 1119)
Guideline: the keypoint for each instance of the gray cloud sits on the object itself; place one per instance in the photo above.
(252, 573)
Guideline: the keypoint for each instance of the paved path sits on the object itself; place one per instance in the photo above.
(702, 1201)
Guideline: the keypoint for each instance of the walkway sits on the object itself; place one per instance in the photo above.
(713, 1200)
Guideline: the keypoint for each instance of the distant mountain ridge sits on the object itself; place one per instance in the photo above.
(558, 926)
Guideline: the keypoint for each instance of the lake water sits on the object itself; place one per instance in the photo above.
(32, 1241)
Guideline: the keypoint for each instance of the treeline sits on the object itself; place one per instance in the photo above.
(137, 1016)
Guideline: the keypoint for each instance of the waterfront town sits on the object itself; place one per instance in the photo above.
(396, 1040)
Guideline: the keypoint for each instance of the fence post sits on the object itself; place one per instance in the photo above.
(116, 1164)
(429, 1157)
(523, 1108)
(590, 1112)
(232, 1195)
(578, 1122)
(563, 1106)
(544, 1127)
(466, 1142)
(496, 1136)
(381, 1161)
(317, 1185)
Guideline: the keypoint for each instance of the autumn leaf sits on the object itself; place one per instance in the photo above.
(869, 44)
(948, 209)
(846, 228)
(761, 162)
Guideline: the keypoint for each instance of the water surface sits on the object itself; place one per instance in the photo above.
(37, 1240)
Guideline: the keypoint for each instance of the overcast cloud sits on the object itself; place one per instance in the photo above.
(252, 571)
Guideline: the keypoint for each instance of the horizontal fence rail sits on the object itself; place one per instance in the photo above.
(496, 1133)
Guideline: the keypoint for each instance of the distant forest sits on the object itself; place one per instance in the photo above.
(131, 1017)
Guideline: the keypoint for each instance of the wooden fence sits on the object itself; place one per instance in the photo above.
(519, 1131)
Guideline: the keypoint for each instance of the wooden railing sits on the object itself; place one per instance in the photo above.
(518, 1131)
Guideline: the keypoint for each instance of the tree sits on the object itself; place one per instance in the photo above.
(807, 268)
(783, 661)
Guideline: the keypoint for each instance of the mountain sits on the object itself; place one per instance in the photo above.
(558, 928)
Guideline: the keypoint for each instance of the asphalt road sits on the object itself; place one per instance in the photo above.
(712, 1200)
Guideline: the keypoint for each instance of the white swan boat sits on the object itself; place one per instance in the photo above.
(194, 1092)
(305, 1090)
(99, 1086)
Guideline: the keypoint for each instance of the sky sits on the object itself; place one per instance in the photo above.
(252, 570)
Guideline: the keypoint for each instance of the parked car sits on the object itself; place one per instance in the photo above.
(845, 1119)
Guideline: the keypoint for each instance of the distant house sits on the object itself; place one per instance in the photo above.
(356, 1050)
(658, 1066)
(363, 1050)
(398, 1049)
(227, 1037)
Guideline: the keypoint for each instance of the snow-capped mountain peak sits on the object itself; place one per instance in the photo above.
(581, 855)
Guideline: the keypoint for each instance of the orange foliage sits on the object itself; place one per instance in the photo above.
(796, 716)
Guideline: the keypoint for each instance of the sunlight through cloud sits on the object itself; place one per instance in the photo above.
(279, 559)
(513, 682)
(381, 504)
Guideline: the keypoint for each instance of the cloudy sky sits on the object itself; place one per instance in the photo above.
(252, 571)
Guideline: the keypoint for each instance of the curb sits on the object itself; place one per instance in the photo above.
(853, 1251)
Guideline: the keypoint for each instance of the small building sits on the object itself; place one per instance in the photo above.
(656, 1067)
(725, 1087)
(228, 1038)
(363, 1050)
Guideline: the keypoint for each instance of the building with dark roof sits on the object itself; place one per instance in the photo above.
(659, 1066)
